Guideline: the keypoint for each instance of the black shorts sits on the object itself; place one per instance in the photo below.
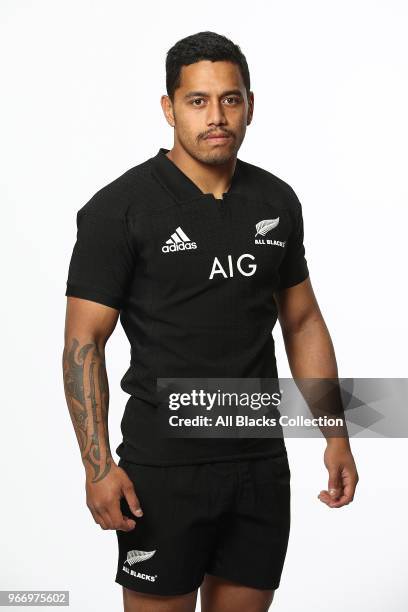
(230, 519)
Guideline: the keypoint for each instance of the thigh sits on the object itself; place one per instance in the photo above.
(134, 601)
(168, 550)
(221, 594)
(253, 535)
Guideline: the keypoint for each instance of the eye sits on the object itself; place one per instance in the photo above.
(193, 102)
(233, 99)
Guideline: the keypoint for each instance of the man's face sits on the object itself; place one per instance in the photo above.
(211, 101)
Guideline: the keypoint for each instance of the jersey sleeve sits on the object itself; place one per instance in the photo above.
(294, 268)
(102, 260)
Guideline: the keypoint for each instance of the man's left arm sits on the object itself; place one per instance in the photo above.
(310, 353)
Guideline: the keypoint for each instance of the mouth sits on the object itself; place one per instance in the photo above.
(217, 138)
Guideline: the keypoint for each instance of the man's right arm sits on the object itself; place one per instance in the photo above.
(88, 326)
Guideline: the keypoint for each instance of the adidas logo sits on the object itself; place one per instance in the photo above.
(178, 241)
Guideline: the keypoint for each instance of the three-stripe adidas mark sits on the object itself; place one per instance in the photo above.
(178, 241)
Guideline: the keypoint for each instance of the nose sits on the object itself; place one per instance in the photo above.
(216, 115)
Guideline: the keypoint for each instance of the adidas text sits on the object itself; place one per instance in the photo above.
(178, 241)
(180, 246)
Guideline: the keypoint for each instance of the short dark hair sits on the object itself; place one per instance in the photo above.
(202, 46)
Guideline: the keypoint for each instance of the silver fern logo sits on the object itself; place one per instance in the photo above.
(136, 556)
(262, 228)
(265, 226)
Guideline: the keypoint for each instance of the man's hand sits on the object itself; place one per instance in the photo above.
(343, 476)
(103, 499)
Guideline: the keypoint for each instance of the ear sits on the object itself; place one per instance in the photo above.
(167, 107)
(250, 107)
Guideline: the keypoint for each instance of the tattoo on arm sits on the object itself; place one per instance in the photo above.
(87, 393)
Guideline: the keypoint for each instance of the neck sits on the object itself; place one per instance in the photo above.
(209, 178)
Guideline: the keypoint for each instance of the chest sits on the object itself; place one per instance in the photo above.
(205, 243)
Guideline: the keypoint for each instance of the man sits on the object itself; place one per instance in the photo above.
(170, 247)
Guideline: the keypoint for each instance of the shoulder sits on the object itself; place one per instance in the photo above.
(267, 185)
(120, 197)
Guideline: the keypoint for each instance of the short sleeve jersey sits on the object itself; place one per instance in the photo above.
(194, 278)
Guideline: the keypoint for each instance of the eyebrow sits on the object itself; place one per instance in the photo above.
(204, 94)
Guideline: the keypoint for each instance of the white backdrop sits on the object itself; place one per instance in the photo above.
(81, 85)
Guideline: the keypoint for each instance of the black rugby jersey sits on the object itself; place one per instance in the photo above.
(193, 277)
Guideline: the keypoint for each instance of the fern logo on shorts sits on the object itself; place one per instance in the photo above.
(135, 556)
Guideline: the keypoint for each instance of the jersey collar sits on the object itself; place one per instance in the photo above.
(180, 185)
